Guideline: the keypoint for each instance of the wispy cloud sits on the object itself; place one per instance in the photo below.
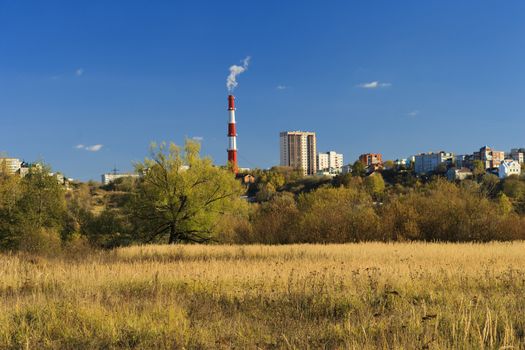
(197, 138)
(281, 87)
(79, 72)
(413, 113)
(92, 148)
(374, 85)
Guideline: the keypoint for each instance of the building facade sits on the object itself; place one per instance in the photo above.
(10, 165)
(459, 174)
(429, 162)
(371, 159)
(298, 149)
(508, 168)
(329, 160)
(110, 177)
(490, 158)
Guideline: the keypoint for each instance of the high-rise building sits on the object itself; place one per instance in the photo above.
(329, 161)
(299, 150)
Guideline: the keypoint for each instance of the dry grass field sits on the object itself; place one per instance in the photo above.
(356, 296)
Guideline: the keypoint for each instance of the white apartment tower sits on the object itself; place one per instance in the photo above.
(329, 160)
(10, 165)
(298, 149)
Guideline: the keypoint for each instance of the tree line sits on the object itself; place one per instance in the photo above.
(181, 197)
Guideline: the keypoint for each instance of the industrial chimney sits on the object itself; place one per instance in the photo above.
(232, 136)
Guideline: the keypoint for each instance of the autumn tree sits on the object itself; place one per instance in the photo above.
(181, 195)
(358, 169)
(32, 211)
(375, 184)
(478, 168)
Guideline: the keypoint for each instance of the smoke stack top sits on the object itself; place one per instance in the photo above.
(235, 70)
(231, 102)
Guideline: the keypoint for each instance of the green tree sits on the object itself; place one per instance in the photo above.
(375, 184)
(181, 195)
(32, 211)
(10, 193)
(342, 180)
(490, 184)
(43, 202)
(266, 192)
(514, 188)
(358, 169)
(441, 169)
(389, 164)
(505, 204)
(478, 168)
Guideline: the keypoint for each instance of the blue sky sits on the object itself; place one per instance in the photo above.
(397, 77)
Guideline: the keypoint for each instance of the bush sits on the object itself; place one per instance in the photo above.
(336, 215)
(275, 221)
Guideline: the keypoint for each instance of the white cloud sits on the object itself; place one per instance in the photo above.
(413, 113)
(197, 138)
(281, 87)
(92, 148)
(374, 85)
(79, 72)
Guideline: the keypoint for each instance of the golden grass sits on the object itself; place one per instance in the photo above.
(369, 295)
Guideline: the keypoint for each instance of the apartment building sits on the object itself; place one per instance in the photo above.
(298, 149)
(329, 160)
(429, 162)
(490, 158)
(369, 159)
(10, 165)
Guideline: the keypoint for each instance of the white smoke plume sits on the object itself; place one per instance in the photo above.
(235, 70)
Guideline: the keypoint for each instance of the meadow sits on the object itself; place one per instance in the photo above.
(351, 296)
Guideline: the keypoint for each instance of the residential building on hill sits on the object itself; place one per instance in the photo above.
(298, 149)
(429, 162)
(111, 177)
(346, 169)
(508, 168)
(10, 165)
(459, 174)
(329, 160)
(490, 158)
(371, 158)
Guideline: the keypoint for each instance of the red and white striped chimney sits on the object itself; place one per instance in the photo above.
(232, 135)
